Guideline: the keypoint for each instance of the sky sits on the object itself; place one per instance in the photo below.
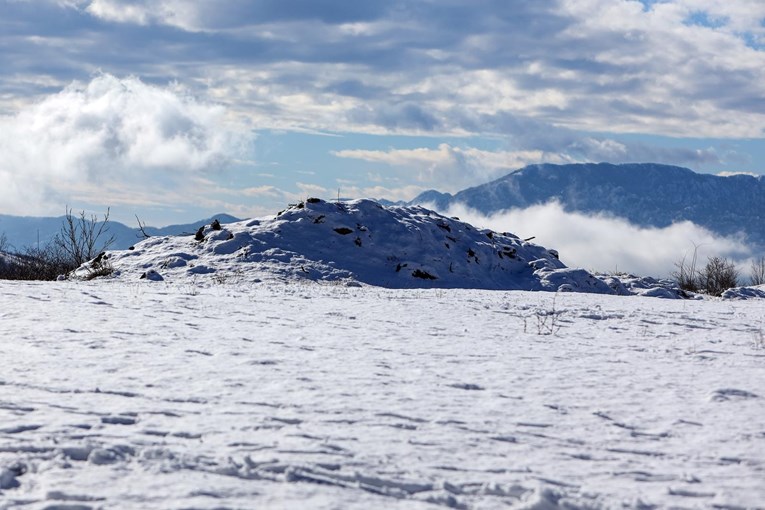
(174, 110)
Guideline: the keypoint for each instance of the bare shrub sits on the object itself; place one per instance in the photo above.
(757, 272)
(6, 259)
(82, 238)
(101, 269)
(718, 276)
(547, 320)
(686, 275)
(38, 263)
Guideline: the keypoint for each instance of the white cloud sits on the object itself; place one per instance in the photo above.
(119, 11)
(309, 190)
(452, 168)
(595, 65)
(664, 74)
(404, 192)
(604, 243)
(600, 65)
(182, 14)
(731, 174)
(260, 191)
(110, 133)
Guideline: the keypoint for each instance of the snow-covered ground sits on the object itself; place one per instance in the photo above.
(138, 394)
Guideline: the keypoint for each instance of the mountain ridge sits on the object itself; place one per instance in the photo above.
(646, 194)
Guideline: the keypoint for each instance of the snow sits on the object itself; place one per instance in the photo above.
(205, 393)
(350, 355)
(357, 241)
(754, 292)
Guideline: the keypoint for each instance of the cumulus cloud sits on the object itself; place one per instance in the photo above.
(110, 134)
(603, 243)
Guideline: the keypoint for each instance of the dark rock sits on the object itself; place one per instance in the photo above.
(151, 275)
(419, 273)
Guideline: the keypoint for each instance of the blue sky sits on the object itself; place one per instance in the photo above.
(177, 109)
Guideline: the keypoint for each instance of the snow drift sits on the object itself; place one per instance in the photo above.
(356, 241)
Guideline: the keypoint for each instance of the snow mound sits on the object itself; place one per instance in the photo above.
(745, 293)
(357, 241)
(625, 284)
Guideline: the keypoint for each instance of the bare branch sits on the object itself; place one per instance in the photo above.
(141, 229)
(757, 272)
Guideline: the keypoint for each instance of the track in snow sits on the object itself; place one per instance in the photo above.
(154, 395)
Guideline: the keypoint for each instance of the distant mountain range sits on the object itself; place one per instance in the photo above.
(25, 231)
(649, 195)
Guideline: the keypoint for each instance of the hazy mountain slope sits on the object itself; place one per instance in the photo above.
(24, 231)
(646, 194)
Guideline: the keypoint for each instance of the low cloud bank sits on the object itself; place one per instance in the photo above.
(110, 134)
(602, 243)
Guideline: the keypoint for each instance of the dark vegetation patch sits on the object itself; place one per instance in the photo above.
(424, 275)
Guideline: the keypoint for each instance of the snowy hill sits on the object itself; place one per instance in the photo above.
(359, 241)
(25, 231)
(645, 194)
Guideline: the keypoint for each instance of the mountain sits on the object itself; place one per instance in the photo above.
(25, 231)
(646, 194)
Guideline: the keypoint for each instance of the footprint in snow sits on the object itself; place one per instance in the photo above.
(118, 420)
(726, 394)
(467, 386)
